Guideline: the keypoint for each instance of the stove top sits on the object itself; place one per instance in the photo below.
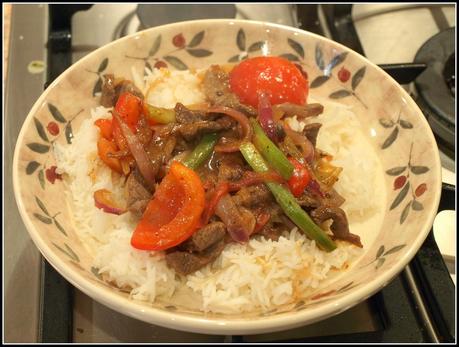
(417, 306)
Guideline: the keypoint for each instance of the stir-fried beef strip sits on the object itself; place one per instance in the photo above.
(108, 95)
(253, 196)
(230, 166)
(193, 124)
(138, 194)
(204, 237)
(308, 201)
(339, 226)
(217, 91)
(311, 131)
(185, 263)
(112, 89)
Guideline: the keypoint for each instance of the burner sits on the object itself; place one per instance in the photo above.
(435, 87)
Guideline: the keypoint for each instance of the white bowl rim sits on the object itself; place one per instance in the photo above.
(218, 325)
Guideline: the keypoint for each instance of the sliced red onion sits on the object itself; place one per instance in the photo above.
(307, 148)
(241, 119)
(144, 163)
(103, 200)
(265, 116)
(229, 214)
(314, 187)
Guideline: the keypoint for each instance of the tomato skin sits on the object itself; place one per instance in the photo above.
(174, 213)
(278, 77)
(129, 108)
(300, 178)
(104, 148)
(105, 127)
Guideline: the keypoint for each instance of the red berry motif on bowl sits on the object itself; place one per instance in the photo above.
(51, 174)
(179, 41)
(399, 182)
(53, 128)
(420, 190)
(344, 74)
(160, 64)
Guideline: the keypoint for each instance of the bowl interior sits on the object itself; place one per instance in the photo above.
(408, 162)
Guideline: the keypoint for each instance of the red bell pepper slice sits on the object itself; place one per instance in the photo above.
(300, 178)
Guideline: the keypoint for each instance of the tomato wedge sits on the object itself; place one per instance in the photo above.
(104, 148)
(174, 213)
(105, 126)
(279, 78)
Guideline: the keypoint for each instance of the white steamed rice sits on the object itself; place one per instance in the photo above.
(260, 274)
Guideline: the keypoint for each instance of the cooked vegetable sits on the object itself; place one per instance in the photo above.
(273, 155)
(287, 201)
(174, 213)
(158, 115)
(300, 178)
(262, 220)
(143, 162)
(202, 151)
(265, 117)
(105, 127)
(325, 172)
(277, 76)
(103, 200)
(221, 190)
(129, 107)
(298, 139)
(104, 149)
(243, 122)
(239, 227)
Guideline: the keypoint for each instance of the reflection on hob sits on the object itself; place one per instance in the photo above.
(435, 87)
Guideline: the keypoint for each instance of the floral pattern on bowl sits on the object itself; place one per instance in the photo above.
(393, 122)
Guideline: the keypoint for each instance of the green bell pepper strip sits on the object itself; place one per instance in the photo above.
(287, 201)
(273, 155)
(159, 114)
(201, 152)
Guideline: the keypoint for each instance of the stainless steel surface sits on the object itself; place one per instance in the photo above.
(420, 305)
(21, 259)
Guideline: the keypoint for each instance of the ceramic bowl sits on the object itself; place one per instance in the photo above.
(393, 123)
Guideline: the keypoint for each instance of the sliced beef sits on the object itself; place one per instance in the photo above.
(253, 196)
(127, 86)
(271, 232)
(339, 226)
(160, 152)
(190, 131)
(191, 124)
(205, 237)
(138, 194)
(108, 95)
(183, 115)
(111, 90)
(217, 91)
(311, 131)
(230, 167)
(332, 198)
(308, 200)
(185, 262)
